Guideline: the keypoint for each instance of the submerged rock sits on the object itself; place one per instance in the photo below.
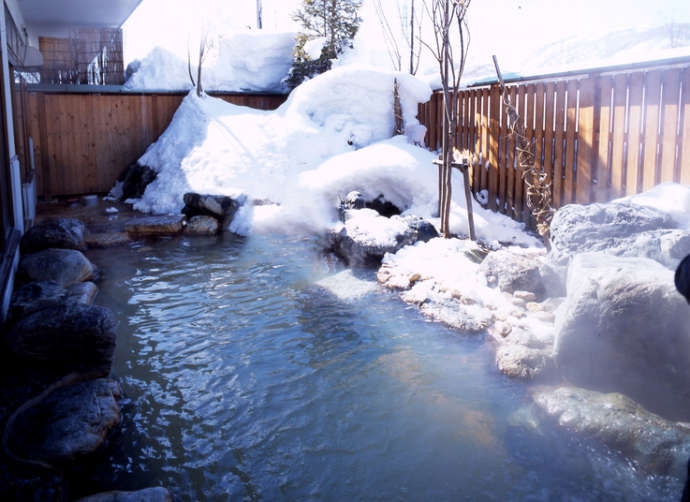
(134, 181)
(221, 207)
(107, 239)
(157, 494)
(201, 225)
(65, 233)
(70, 422)
(62, 266)
(656, 445)
(523, 362)
(625, 328)
(366, 236)
(66, 337)
(154, 226)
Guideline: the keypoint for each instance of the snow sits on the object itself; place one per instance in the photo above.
(238, 61)
(369, 228)
(670, 198)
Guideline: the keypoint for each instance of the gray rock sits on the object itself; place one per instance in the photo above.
(66, 233)
(526, 363)
(201, 225)
(625, 328)
(619, 229)
(220, 207)
(84, 293)
(154, 226)
(63, 266)
(354, 200)
(157, 494)
(355, 244)
(656, 445)
(383, 207)
(35, 296)
(134, 181)
(70, 422)
(512, 272)
(107, 239)
(66, 337)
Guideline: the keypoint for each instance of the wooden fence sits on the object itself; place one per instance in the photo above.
(598, 134)
(83, 141)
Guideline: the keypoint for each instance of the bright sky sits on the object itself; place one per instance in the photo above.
(497, 26)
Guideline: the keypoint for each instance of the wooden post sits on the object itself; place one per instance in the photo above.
(463, 167)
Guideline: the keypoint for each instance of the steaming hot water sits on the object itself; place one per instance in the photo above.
(243, 379)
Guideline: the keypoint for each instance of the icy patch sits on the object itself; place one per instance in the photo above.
(346, 286)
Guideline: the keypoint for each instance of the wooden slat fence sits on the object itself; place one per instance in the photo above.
(598, 135)
(83, 141)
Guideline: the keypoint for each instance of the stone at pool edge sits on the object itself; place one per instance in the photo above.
(154, 226)
(157, 494)
(70, 422)
(221, 207)
(36, 296)
(64, 233)
(106, 239)
(65, 337)
(63, 266)
(201, 225)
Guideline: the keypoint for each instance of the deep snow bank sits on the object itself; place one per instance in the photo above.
(241, 61)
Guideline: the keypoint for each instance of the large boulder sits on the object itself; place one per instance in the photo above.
(366, 236)
(620, 229)
(221, 207)
(513, 270)
(66, 233)
(625, 328)
(157, 494)
(656, 445)
(70, 422)
(154, 226)
(62, 266)
(35, 296)
(134, 180)
(65, 337)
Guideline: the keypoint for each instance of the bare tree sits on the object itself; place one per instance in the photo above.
(203, 46)
(259, 15)
(448, 18)
(410, 29)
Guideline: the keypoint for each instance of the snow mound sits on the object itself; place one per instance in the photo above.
(346, 286)
(218, 148)
(241, 61)
(670, 198)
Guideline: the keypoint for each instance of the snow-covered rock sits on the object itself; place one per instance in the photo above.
(366, 236)
(514, 270)
(656, 445)
(625, 328)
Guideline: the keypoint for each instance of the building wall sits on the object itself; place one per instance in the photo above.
(88, 56)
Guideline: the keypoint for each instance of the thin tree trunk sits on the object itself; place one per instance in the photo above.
(412, 72)
(259, 14)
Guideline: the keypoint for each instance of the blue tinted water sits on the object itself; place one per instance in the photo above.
(245, 381)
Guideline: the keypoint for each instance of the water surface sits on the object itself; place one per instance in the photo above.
(246, 381)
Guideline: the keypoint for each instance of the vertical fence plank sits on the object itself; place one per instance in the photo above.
(601, 170)
(635, 85)
(484, 183)
(539, 125)
(651, 129)
(684, 154)
(620, 91)
(502, 156)
(518, 205)
(494, 109)
(559, 138)
(466, 120)
(548, 133)
(586, 146)
(477, 171)
(510, 157)
(669, 125)
(570, 133)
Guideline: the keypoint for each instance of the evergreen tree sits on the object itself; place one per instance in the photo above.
(337, 21)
